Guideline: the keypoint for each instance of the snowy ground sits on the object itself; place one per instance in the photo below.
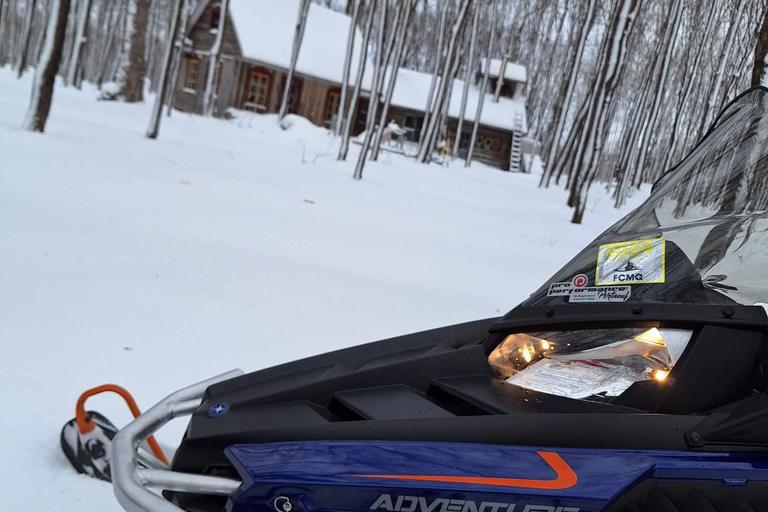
(154, 264)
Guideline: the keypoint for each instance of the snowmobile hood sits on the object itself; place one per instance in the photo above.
(700, 238)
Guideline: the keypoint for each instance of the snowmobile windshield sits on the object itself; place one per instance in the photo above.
(700, 238)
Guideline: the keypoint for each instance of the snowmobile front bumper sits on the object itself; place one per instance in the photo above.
(134, 471)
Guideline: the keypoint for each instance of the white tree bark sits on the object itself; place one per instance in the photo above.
(407, 5)
(47, 67)
(213, 60)
(347, 65)
(164, 84)
(344, 146)
(373, 103)
(79, 44)
(572, 79)
(620, 31)
(445, 85)
(301, 24)
(29, 13)
(467, 77)
(435, 69)
(720, 75)
(669, 44)
(690, 79)
(178, 52)
(483, 87)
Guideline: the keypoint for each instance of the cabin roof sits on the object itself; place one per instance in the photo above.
(266, 28)
(512, 71)
(412, 89)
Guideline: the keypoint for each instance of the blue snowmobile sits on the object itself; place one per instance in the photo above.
(634, 380)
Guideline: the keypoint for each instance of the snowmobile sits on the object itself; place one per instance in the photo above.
(634, 380)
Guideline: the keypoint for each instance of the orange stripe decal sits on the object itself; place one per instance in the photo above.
(565, 479)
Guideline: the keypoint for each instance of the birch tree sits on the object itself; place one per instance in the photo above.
(435, 70)
(759, 75)
(719, 76)
(47, 66)
(164, 84)
(562, 107)
(80, 40)
(355, 9)
(445, 83)
(133, 68)
(344, 146)
(483, 87)
(301, 24)
(620, 30)
(215, 55)
(467, 77)
(29, 14)
(408, 6)
(186, 12)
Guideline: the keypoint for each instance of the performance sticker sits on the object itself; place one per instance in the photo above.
(601, 294)
(635, 262)
(567, 287)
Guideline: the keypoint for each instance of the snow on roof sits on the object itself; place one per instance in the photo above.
(512, 71)
(266, 28)
(412, 89)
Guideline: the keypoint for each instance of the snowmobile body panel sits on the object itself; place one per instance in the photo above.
(456, 477)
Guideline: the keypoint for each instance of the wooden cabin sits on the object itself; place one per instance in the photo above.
(256, 53)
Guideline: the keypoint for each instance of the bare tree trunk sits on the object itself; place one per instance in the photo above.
(445, 85)
(467, 77)
(29, 15)
(176, 62)
(154, 124)
(355, 10)
(677, 8)
(688, 85)
(620, 30)
(81, 39)
(761, 52)
(407, 6)
(47, 67)
(435, 69)
(344, 147)
(713, 99)
(562, 114)
(373, 102)
(301, 24)
(134, 69)
(215, 55)
(483, 87)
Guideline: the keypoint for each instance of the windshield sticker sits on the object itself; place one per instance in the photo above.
(601, 294)
(635, 262)
(567, 287)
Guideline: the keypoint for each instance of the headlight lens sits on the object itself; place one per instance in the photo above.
(584, 363)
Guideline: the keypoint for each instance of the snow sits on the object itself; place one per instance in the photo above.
(156, 263)
(266, 28)
(412, 89)
(512, 71)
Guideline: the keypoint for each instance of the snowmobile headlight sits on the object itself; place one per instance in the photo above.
(584, 363)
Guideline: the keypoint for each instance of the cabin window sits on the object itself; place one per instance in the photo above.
(332, 106)
(257, 89)
(413, 125)
(293, 93)
(215, 17)
(193, 74)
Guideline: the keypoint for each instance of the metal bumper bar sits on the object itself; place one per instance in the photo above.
(133, 471)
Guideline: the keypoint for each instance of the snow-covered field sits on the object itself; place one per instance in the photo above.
(154, 264)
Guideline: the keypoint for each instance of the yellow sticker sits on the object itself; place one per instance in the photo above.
(633, 262)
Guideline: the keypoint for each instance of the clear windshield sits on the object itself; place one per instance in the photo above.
(700, 238)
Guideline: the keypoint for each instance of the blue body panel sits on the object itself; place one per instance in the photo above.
(355, 475)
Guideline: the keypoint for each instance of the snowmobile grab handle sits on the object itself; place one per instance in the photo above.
(130, 481)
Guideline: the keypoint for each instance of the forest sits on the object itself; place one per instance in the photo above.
(618, 91)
